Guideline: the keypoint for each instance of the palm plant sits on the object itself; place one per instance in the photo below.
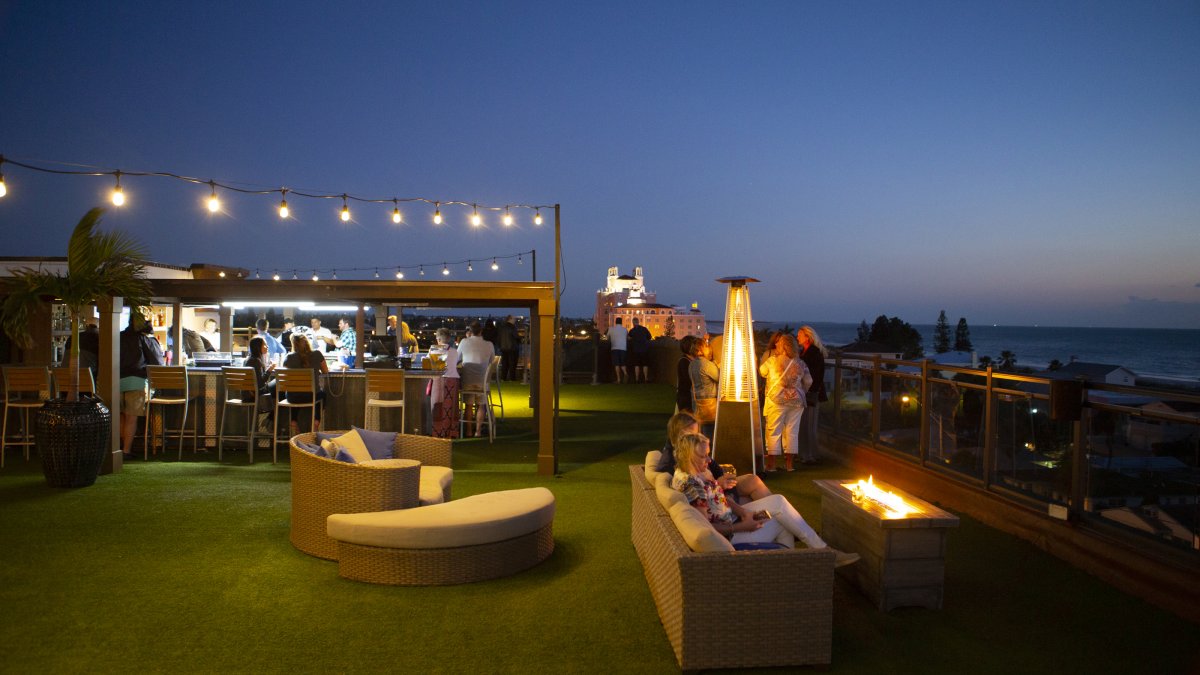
(99, 265)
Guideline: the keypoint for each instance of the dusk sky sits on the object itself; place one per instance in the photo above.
(1010, 162)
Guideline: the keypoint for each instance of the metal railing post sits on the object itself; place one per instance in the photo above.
(837, 392)
(989, 429)
(923, 411)
(876, 399)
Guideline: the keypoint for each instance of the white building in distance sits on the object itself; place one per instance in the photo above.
(626, 296)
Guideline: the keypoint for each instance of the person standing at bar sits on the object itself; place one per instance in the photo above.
(347, 340)
(138, 349)
(285, 337)
(322, 338)
(275, 351)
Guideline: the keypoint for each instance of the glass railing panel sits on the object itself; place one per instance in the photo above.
(1144, 466)
(955, 427)
(855, 402)
(900, 414)
(1033, 453)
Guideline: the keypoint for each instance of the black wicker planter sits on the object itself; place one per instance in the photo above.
(72, 438)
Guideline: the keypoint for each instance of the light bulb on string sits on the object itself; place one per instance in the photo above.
(294, 277)
(315, 277)
(257, 275)
(495, 265)
(519, 260)
(283, 207)
(118, 195)
(399, 273)
(345, 210)
(437, 213)
(3, 187)
(537, 217)
(396, 217)
(221, 274)
(335, 275)
(421, 269)
(470, 267)
(445, 270)
(214, 203)
(508, 219)
(376, 272)
(476, 219)
(276, 275)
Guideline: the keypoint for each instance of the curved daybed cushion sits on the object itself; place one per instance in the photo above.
(471, 521)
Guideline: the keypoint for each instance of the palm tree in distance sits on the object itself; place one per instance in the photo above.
(1008, 361)
(99, 265)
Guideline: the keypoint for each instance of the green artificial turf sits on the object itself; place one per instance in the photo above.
(186, 567)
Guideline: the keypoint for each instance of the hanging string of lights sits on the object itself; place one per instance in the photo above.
(398, 271)
(213, 201)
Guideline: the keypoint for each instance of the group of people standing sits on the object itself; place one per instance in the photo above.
(793, 367)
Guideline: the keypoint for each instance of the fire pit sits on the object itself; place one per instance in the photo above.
(902, 541)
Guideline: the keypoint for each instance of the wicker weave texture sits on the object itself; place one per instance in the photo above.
(788, 595)
(444, 566)
(322, 487)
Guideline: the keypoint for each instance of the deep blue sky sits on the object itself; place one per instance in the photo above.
(1012, 162)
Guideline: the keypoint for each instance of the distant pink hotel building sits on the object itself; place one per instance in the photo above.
(626, 297)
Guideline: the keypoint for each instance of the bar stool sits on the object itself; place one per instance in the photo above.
(288, 382)
(62, 381)
(496, 379)
(383, 381)
(478, 396)
(241, 391)
(19, 383)
(168, 387)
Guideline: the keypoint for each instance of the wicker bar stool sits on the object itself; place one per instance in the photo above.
(241, 391)
(288, 383)
(168, 387)
(62, 381)
(383, 381)
(26, 388)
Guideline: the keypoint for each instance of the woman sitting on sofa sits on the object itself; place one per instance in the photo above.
(757, 522)
(745, 488)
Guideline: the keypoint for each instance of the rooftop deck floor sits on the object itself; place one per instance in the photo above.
(186, 567)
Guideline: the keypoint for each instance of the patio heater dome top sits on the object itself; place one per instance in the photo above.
(738, 281)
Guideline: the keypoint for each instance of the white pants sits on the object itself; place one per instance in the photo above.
(784, 516)
(783, 428)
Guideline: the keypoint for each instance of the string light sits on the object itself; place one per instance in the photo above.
(283, 209)
(445, 270)
(335, 275)
(537, 217)
(437, 213)
(315, 277)
(399, 273)
(276, 275)
(476, 219)
(508, 220)
(256, 274)
(376, 272)
(396, 217)
(214, 204)
(495, 266)
(519, 261)
(118, 195)
(422, 270)
(294, 277)
(345, 210)
(470, 267)
(3, 187)
(221, 274)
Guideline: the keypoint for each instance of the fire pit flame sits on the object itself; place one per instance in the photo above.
(866, 490)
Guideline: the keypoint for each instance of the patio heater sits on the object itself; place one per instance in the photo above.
(737, 438)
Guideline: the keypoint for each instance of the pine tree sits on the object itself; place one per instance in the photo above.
(670, 329)
(962, 337)
(941, 334)
(864, 331)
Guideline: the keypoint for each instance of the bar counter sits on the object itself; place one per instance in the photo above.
(344, 405)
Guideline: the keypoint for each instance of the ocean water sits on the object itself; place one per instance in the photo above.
(1171, 354)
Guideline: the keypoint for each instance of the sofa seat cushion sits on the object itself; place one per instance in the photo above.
(434, 481)
(696, 531)
(471, 521)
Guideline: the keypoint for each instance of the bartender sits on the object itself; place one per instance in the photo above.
(322, 338)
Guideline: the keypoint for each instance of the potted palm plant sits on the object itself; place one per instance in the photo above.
(72, 434)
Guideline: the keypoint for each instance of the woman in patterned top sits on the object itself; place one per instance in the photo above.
(748, 524)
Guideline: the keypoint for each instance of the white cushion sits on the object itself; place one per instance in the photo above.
(668, 496)
(479, 519)
(390, 463)
(696, 530)
(434, 481)
(353, 444)
(652, 459)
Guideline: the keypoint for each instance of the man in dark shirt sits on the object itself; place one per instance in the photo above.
(508, 344)
(639, 351)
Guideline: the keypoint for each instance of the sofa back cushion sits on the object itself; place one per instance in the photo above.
(696, 530)
(667, 495)
(652, 458)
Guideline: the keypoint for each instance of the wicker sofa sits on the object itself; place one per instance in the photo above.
(322, 486)
(784, 597)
